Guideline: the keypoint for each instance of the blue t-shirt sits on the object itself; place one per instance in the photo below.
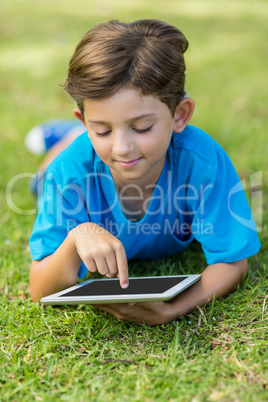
(198, 196)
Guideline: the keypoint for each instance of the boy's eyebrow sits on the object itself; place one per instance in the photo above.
(130, 120)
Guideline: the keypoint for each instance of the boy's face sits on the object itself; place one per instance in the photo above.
(131, 134)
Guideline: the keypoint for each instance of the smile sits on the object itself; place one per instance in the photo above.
(128, 164)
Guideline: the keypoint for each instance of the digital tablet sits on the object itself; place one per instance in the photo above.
(140, 289)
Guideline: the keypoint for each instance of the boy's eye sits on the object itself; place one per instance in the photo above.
(103, 134)
(145, 130)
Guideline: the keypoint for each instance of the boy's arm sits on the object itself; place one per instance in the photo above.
(55, 272)
(217, 279)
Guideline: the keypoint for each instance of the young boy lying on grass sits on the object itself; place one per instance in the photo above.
(140, 182)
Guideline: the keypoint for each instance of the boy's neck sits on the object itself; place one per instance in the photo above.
(134, 199)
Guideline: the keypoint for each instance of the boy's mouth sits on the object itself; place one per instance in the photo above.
(128, 164)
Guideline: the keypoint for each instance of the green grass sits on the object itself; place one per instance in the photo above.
(217, 353)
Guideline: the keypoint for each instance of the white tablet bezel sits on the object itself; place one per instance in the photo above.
(55, 298)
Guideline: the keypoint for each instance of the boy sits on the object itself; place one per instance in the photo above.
(142, 182)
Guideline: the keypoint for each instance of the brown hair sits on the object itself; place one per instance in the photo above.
(145, 55)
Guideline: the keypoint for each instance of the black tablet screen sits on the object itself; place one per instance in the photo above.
(136, 286)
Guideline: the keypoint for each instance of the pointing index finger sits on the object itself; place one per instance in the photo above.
(122, 266)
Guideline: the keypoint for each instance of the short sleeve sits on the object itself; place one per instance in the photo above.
(223, 222)
(60, 208)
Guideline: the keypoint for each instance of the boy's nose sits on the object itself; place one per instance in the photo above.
(122, 143)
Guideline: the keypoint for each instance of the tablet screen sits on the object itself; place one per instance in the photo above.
(136, 286)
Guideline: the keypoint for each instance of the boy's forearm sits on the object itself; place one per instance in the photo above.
(218, 279)
(55, 272)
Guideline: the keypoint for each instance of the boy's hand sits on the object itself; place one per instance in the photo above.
(149, 313)
(101, 251)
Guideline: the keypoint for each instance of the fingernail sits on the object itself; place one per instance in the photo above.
(125, 285)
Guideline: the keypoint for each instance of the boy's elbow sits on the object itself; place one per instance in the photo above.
(34, 297)
(33, 280)
(243, 268)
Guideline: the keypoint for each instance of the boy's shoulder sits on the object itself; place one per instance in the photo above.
(197, 143)
(74, 162)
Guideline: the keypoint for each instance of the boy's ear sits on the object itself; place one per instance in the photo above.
(183, 114)
(77, 113)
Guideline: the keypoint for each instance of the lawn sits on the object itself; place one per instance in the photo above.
(217, 353)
